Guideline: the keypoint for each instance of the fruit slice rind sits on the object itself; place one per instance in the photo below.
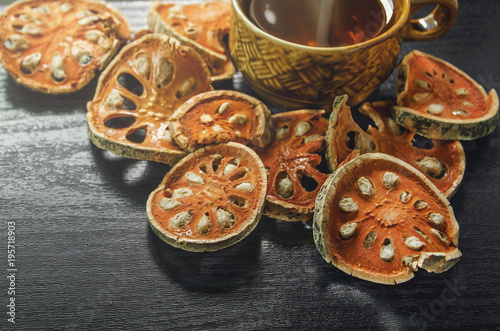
(68, 42)
(443, 163)
(193, 124)
(148, 60)
(430, 93)
(438, 258)
(212, 190)
(434, 127)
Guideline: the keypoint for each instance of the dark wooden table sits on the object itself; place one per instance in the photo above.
(85, 257)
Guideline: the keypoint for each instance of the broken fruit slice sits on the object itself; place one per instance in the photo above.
(439, 101)
(221, 116)
(137, 94)
(292, 160)
(211, 199)
(203, 26)
(379, 219)
(57, 46)
(443, 162)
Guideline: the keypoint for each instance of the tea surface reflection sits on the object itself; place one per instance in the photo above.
(321, 23)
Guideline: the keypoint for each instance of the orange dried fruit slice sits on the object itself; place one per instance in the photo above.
(439, 101)
(202, 26)
(379, 219)
(137, 94)
(291, 160)
(211, 199)
(57, 46)
(221, 116)
(443, 162)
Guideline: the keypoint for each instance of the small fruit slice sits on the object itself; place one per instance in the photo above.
(137, 94)
(211, 199)
(443, 162)
(291, 160)
(221, 116)
(379, 219)
(57, 46)
(203, 26)
(439, 101)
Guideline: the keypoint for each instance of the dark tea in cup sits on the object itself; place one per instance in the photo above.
(321, 23)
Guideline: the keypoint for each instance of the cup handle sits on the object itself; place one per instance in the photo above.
(435, 24)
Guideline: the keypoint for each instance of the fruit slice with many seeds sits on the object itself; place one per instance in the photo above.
(380, 219)
(201, 26)
(439, 101)
(137, 94)
(292, 161)
(221, 116)
(211, 199)
(57, 46)
(443, 162)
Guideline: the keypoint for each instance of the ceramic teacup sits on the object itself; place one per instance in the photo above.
(297, 75)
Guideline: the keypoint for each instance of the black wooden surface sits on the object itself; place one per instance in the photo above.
(86, 258)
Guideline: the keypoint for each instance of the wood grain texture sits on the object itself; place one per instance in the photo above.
(87, 259)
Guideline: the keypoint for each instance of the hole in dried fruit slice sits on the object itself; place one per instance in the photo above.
(131, 83)
(58, 49)
(147, 81)
(221, 116)
(381, 237)
(119, 122)
(209, 210)
(293, 159)
(202, 26)
(443, 162)
(439, 101)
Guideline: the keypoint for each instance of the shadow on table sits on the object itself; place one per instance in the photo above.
(36, 102)
(286, 233)
(424, 301)
(135, 179)
(221, 271)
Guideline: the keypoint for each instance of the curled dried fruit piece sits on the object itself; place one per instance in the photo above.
(292, 161)
(57, 46)
(386, 238)
(439, 101)
(443, 162)
(221, 116)
(202, 26)
(211, 199)
(137, 94)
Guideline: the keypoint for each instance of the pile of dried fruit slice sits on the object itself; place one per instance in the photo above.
(377, 217)
(380, 219)
(443, 162)
(57, 46)
(291, 160)
(221, 116)
(439, 101)
(203, 26)
(139, 91)
(211, 199)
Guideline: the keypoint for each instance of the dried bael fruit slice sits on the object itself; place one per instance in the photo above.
(380, 219)
(221, 116)
(292, 161)
(57, 46)
(137, 94)
(202, 26)
(211, 199)
(443, 162)
(439, 101)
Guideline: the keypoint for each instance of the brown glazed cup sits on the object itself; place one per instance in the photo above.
(299, 76)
